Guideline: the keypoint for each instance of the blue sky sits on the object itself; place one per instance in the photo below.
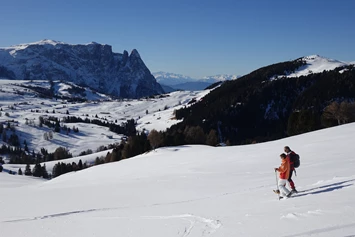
(191, 37)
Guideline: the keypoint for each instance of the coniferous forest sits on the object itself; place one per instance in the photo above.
(257, 109)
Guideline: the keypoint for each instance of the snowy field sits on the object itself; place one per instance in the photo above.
(21, 104)
(193, 191)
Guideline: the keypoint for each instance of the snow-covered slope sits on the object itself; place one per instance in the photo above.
(93, 65)
(24, 106)
(314, 64)
(193, 191)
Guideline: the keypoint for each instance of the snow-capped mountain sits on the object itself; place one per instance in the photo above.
(182, 82)
(170, 79)
(313, 64)
(93, 65)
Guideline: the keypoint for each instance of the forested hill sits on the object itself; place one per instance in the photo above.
(270, 103)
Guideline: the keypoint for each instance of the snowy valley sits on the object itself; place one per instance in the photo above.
(24, 102)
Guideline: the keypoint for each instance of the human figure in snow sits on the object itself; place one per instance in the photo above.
(284, 171)
(290, 153)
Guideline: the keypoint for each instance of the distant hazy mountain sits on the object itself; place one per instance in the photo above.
(170, 79)
(93, 65)
(182, 82)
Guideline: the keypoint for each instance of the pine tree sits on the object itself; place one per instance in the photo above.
(98, 161)
(155, 138)
(25, 144)
(212, 138)
(41, 121)
(19, 172)
(57, 127)
(57, 171)
(61, 153)
(37, 170)
(80, 165)
(194, 135)
(4, 136)
(44, 172)
(116, 155)
(28, 171)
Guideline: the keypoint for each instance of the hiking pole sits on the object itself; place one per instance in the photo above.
(277, 184)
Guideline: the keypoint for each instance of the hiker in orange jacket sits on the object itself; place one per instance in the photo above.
(284, 171)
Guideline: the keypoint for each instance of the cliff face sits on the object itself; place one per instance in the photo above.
(93, 65)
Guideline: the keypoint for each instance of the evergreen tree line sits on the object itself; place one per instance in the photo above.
(63, 168)
(257, 109)
(128, 128)
(54, 122)
(136, 145)
(37, 171)
(190, 135)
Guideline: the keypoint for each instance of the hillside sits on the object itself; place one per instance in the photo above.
(314, 64)
(273, 102)
(91, 65)
(193, 191)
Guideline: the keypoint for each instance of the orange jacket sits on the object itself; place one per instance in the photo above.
(284, 169)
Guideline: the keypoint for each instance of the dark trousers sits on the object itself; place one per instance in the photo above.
(292, 184)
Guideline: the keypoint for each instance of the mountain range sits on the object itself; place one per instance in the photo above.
(93, 65)
(182, 82)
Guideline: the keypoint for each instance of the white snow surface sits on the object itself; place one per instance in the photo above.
(19, 103)
(314, 64)
(41, 42)
(193, 191)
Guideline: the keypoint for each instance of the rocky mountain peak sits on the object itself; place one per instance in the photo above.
(94, 65)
